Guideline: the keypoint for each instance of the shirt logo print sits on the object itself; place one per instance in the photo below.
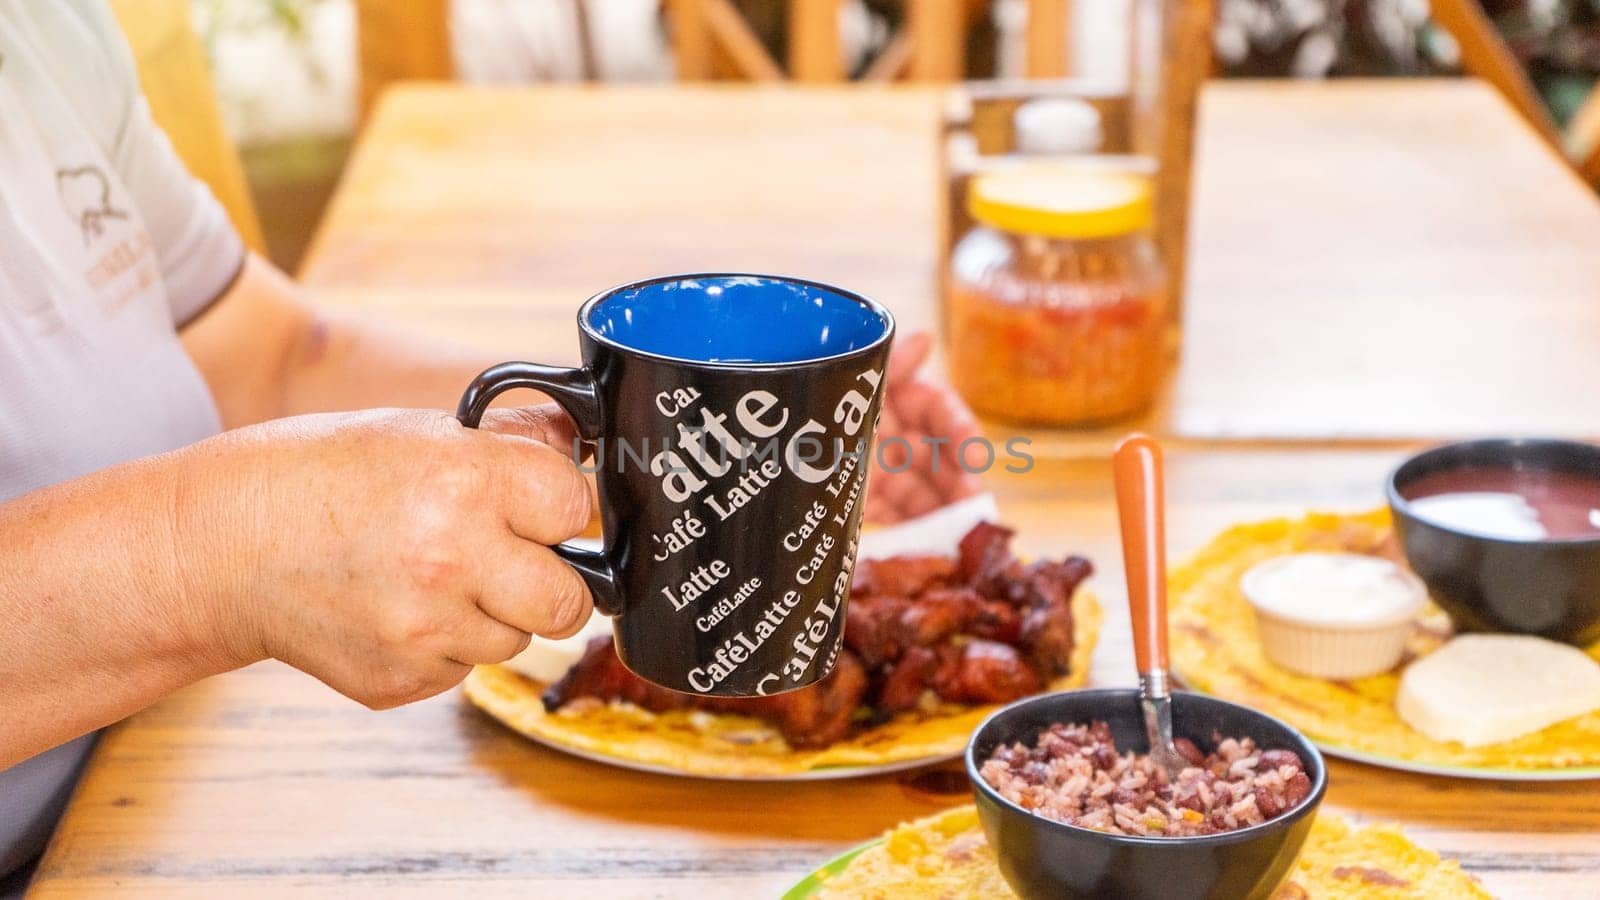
(86, 196)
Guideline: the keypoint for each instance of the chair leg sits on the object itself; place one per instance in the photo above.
(587, 64)
(1485, 55)
(691, 39)
(892, 61)
(1048, 24)
(815, 54)
(1583, 138)
(735, 39)
(938, 30)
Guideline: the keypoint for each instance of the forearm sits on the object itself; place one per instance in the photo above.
(347, 362)
(103, 604)
(267, 353)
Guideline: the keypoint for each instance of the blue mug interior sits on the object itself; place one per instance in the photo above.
(746, 319)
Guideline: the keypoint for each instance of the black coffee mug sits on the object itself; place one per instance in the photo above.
(731, 418)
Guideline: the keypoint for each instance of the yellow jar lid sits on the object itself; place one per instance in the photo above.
(1061, 203)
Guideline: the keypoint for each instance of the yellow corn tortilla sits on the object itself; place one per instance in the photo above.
(719, 744)
(947, 856)
(1215, 649)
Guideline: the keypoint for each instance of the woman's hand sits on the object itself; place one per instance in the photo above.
(383, 552)
(386, 552)
(918, 454)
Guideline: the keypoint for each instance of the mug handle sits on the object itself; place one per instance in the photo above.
(575, 391)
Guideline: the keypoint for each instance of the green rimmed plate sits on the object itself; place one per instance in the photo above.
(808, 886)
(1484, 773)
(1338, 856)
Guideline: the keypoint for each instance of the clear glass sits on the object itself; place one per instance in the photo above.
(1056, 331)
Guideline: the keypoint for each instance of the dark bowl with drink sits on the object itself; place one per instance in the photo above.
(1506, 534)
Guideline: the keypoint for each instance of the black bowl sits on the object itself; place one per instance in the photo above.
(1041, 857)
(1550, 588)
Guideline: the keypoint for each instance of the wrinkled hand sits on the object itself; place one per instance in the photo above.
(918, 466)
(385, 552)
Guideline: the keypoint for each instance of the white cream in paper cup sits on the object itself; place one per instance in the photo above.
(1333, 615)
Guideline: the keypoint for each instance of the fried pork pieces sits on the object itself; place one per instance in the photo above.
(975, 629)
(1073, 774)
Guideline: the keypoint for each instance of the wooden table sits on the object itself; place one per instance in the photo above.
(486, 216)
(1368, 260)
(1387, 259)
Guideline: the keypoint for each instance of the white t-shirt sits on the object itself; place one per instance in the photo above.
(107, 245)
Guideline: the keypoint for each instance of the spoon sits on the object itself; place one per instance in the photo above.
(1136, 469)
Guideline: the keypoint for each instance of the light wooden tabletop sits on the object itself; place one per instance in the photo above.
(1369, 259)
(487, 216)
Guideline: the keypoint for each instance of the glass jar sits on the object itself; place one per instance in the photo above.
(1056, 312)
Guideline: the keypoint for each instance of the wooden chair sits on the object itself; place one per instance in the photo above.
(400, 40)
(1047, 38)
(1165, 121)
(711, 40)
(1485, 54)
(409, 40)
(177, 83)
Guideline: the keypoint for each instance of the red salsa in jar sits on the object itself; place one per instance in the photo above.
(1056, 312)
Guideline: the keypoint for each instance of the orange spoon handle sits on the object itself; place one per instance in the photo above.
(1136, 468)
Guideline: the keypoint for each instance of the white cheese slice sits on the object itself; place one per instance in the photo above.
(1486, 688)
(547, 660)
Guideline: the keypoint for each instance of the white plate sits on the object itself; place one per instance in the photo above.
(1576, 773)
